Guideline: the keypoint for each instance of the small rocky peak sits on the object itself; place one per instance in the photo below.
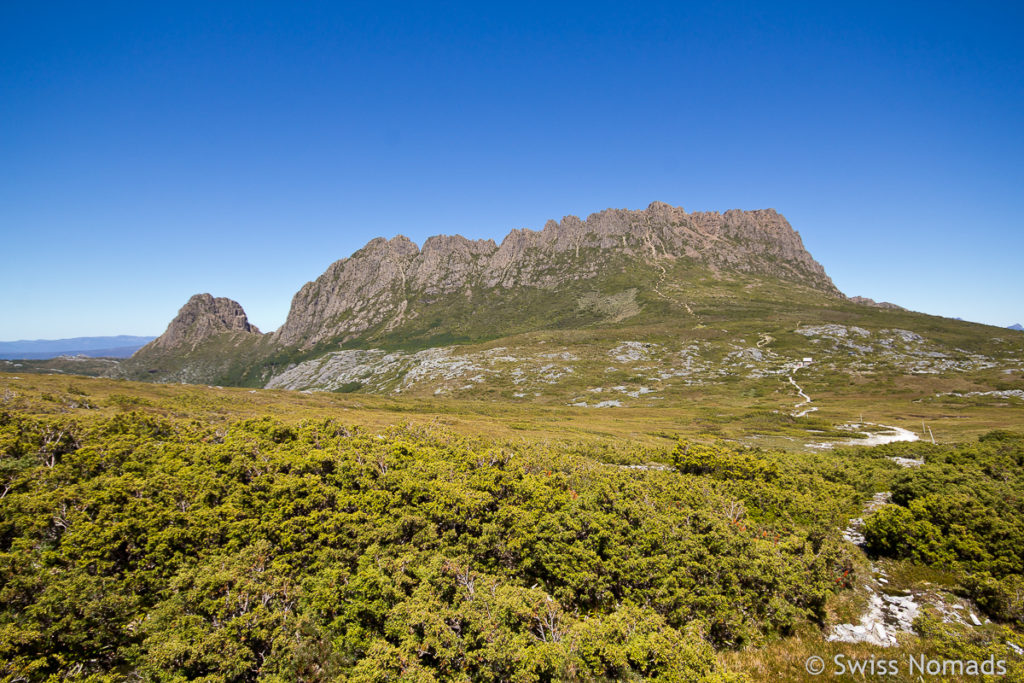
(865, 301)
(571, 221)
(204, 316)
(457, 244)
(517, 237)
(398, 246)
(660, 212)
(557, 232)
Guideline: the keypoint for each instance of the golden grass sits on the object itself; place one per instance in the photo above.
(710, 413)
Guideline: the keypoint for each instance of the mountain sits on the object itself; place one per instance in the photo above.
(203, 342)
(573, 273)
(390, 287)
(120, 346)
(202, 317)
(623, 308)
(1016, 326)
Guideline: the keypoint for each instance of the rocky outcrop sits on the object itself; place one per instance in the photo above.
(747, 241)
(449, 263)
(210, 341)
(202, 317)
(864, 301)
(352, 295)
(381, 285)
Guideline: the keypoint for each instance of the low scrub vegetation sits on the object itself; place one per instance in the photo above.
(175, 535)
(963, 510)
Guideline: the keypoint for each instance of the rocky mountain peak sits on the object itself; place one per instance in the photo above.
(377, 285)
(457, 244)
(203, 316)
(398, 246)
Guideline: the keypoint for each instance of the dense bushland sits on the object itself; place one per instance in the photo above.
(964, 510)
(136, 545)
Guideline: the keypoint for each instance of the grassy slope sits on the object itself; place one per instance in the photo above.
(743, 409)
(728, 313)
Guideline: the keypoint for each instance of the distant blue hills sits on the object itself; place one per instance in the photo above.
(121, 346)
(1017, 327)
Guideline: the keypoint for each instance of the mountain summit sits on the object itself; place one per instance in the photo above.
(208, 339)
(202, 317)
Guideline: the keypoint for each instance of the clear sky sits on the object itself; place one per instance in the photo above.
(149, 151)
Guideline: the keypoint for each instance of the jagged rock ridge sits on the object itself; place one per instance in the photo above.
(377, 285)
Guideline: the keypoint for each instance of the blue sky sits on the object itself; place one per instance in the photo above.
(151, 151)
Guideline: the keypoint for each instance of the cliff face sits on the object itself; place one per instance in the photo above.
(202, 317)
(379, 284)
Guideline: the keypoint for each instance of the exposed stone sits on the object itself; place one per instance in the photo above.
(202, 317)
(352, 295)
(865, 301)
(378, 285)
